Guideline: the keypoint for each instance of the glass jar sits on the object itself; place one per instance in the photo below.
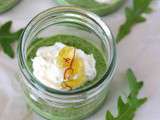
(7, 4)
(66, 105)
(99, 7)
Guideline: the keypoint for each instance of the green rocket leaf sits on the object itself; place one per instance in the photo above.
(7, 38)
(134, 15)
(126, 110)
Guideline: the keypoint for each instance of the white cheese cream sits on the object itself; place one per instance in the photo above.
(48, 72)
(104, 1)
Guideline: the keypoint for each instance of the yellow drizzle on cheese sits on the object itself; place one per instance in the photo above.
(74, 69)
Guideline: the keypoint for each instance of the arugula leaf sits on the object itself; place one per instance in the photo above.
(99, 8)
(134, 15)
(126, 111)
(7, 38)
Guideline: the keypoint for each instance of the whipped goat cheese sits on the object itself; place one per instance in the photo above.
(104, 1)
(63, 67)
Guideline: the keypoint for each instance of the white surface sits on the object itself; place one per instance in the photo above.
(140, 50)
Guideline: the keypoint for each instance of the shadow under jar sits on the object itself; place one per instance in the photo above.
(83, 27)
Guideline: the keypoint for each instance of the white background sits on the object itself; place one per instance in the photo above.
(140, 50)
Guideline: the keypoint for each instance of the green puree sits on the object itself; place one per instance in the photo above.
(70, 41)
(72, 112)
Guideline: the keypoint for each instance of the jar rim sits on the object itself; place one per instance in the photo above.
(111, 66)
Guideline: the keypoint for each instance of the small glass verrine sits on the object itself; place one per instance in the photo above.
(100, 7)
(5, 5)
(75, 104)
